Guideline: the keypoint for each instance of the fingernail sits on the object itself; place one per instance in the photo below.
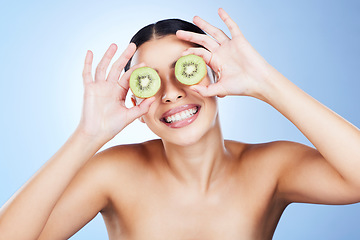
(151, 100)
(194, 89)
(184, 53)
(130, 44)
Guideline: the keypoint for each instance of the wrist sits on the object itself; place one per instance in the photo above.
(91, 140)
(270, 86)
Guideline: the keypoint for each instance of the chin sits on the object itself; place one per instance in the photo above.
(184, 139)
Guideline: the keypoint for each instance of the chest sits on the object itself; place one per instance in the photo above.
(158, 211)
(179, 220)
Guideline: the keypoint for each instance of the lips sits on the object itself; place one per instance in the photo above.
(181, 116)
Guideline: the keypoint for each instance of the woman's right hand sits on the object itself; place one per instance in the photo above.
(104, 112)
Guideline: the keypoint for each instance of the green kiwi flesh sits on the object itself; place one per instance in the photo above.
(190, 69)
(144, 82)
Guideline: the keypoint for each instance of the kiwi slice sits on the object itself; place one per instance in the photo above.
(190, 69)
(144, 82)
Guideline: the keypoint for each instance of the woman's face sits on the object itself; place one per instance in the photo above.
(178, 115)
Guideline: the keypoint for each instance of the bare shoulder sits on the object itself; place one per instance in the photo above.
(286, 154)
(104, 166)
(275, 157)
(116, 170)
(126, 156)
(276, 150)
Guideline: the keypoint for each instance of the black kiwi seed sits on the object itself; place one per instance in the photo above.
(185, 66)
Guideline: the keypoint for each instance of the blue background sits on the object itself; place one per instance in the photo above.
(313, 43)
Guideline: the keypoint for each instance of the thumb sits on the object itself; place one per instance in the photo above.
(141, 109)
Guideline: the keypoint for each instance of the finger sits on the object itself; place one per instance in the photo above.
(201, 52)
(100, 72)
(124, 80)
(87, 76)
(232, 26)
(215, 32)
(141, 109)
(201, 39)
(121, 62)
(214, 89)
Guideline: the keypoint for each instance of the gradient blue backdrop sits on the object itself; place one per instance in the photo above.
(43, 44)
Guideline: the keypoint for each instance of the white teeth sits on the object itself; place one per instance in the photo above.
(181, 115)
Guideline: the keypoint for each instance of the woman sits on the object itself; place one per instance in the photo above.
(191, 183)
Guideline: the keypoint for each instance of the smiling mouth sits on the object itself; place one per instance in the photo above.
(181, 116)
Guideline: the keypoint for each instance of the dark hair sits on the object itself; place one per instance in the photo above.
(161, 29)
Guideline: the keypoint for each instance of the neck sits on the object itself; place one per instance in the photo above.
(200, 163)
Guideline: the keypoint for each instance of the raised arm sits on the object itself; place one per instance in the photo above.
(104, 115)
(309, 175)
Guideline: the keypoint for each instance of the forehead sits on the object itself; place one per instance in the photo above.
(159, 52)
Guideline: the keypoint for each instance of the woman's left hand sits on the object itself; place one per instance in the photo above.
(240, 68)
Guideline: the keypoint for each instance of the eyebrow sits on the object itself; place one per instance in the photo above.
(171, 66)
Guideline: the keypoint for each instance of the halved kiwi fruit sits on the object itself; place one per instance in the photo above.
(144, 82)
(190, 69)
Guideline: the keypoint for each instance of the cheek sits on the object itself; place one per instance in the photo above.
(213, 106)
(149, 116)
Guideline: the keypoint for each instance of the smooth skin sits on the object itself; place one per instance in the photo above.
(191, 183)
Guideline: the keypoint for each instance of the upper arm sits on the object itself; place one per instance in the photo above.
(306, 176)
(85, 196)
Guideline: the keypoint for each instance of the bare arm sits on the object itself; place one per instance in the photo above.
(334, 165)
(104, 115)
(306, 176)
(336, 139)
(333, 171)
(31, 206)
(87, 194)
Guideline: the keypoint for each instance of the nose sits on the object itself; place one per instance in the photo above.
(172, 92)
